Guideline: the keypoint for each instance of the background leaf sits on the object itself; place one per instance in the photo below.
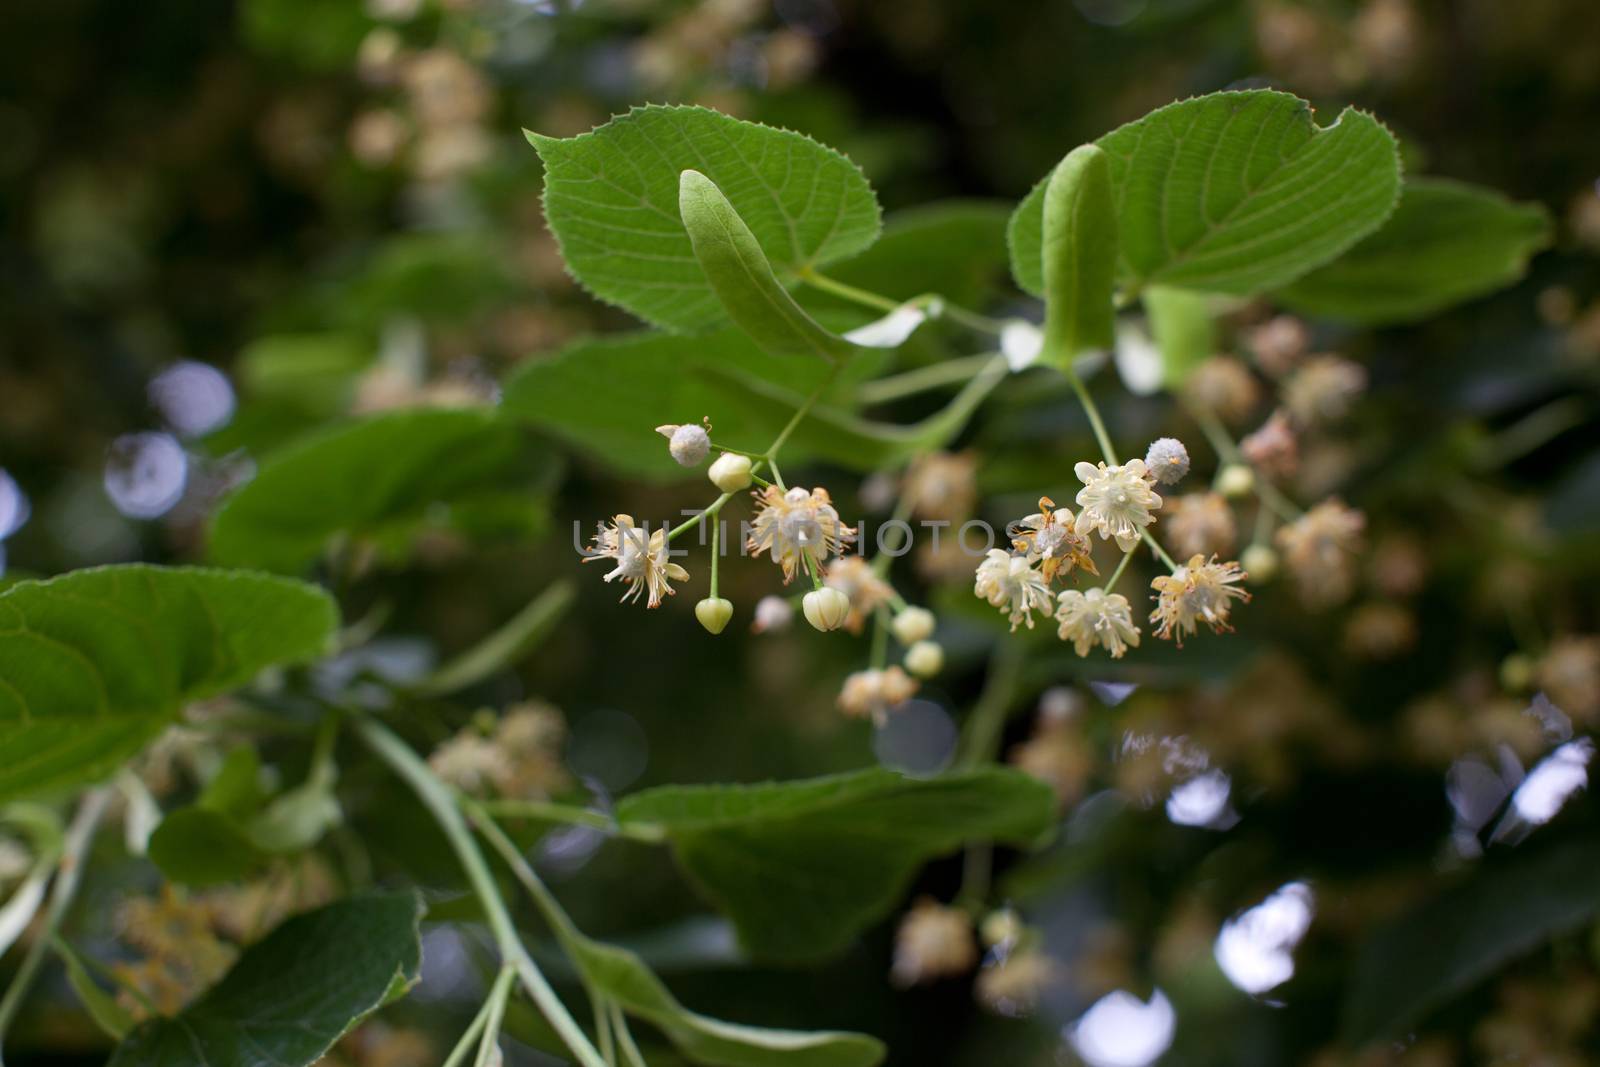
(97, 662)
(803, 867)
(1234, 192)
(200, 846)
(1183, 328)
(380, 477)
(1447, 242)
(1449, 944)
(611, 198)
(294, 993)
(956, 248)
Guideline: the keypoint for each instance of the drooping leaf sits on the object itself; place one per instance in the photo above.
(611, 199)
(738, 272)
(1447, 242)
(1447, 945)
(1183, 328)
(1235, 192)
(380, 477)
(803, 867)
(294, 993)
(1079, 250)
(701, 1039)
(96, 663)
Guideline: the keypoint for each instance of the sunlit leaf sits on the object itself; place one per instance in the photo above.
(803, 867)
(95, 663)
(1235, 192)
(1447, 242)
(611, 198)
(294, 993)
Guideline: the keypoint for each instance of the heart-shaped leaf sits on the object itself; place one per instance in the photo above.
(294, 993)
(96, 663)
(381, 478)
(1447, 242)
(1235, 192)
(611, 199)
(803, 867)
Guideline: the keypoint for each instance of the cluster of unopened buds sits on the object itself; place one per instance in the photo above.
(801, 531)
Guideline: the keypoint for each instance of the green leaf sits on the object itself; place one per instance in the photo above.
(643, 380)
(235, 790)
(1079, 256)
(96, 663)
(956, 248)
(803, 867)
(1447, 242)
(101, 1006)
(743, 280)
(1235, 192)
(198, 846)
(1183, 328)
(294, 993)
(380, 477)
(1450, 944)
(623, 976)
(611, 199)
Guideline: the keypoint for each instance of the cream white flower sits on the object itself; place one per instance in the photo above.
(875, 692)
(913, 624)
(1049, 538)
(925, 659)
(799, 529)
(773, 614)
(1323, 389)
(1096, 617)
(641, 560)
(1117, 501)
(1012, 584)
(1199, 523)
(934, 941)
(1319, 550)
(1199, 591)
(855, 578)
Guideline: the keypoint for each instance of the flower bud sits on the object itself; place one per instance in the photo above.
(925, 659)
(1236, 480)
(730, 472)
(714, 613)
(1167, 460)
(689, 444)
(912, 625)
(826, 608)
(1516, 672)
(773, 613)
(1260, 562)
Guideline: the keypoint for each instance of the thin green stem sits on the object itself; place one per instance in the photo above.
(880, 639)
(839, 289)
(795, 420)
(695, 520)
(912, 382)
(971, 319)
(602, 1028)
(1220, 440)
(1122, 565)
(630, 1051)
(570, 814)
(1155, 547)
(987, 722)
(69, 872)
(496, 1004)
(716, 552)
(469, 1037)
(443, 804)
(1095, 421)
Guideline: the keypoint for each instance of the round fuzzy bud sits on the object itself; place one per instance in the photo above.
(1260, 562)
(1236, 480)
(689, 444)
(826, 608)
(1167, 460)
(714, 613)
(912, 625)
(773, 614)
(925, 659)
(730, 472)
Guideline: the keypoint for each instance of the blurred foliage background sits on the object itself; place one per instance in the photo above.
(224, 225)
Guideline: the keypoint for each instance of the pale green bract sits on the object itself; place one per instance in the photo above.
(1079, 256)
(96, 663)
(1447, 242)
(611, 199)
(1235, 192)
